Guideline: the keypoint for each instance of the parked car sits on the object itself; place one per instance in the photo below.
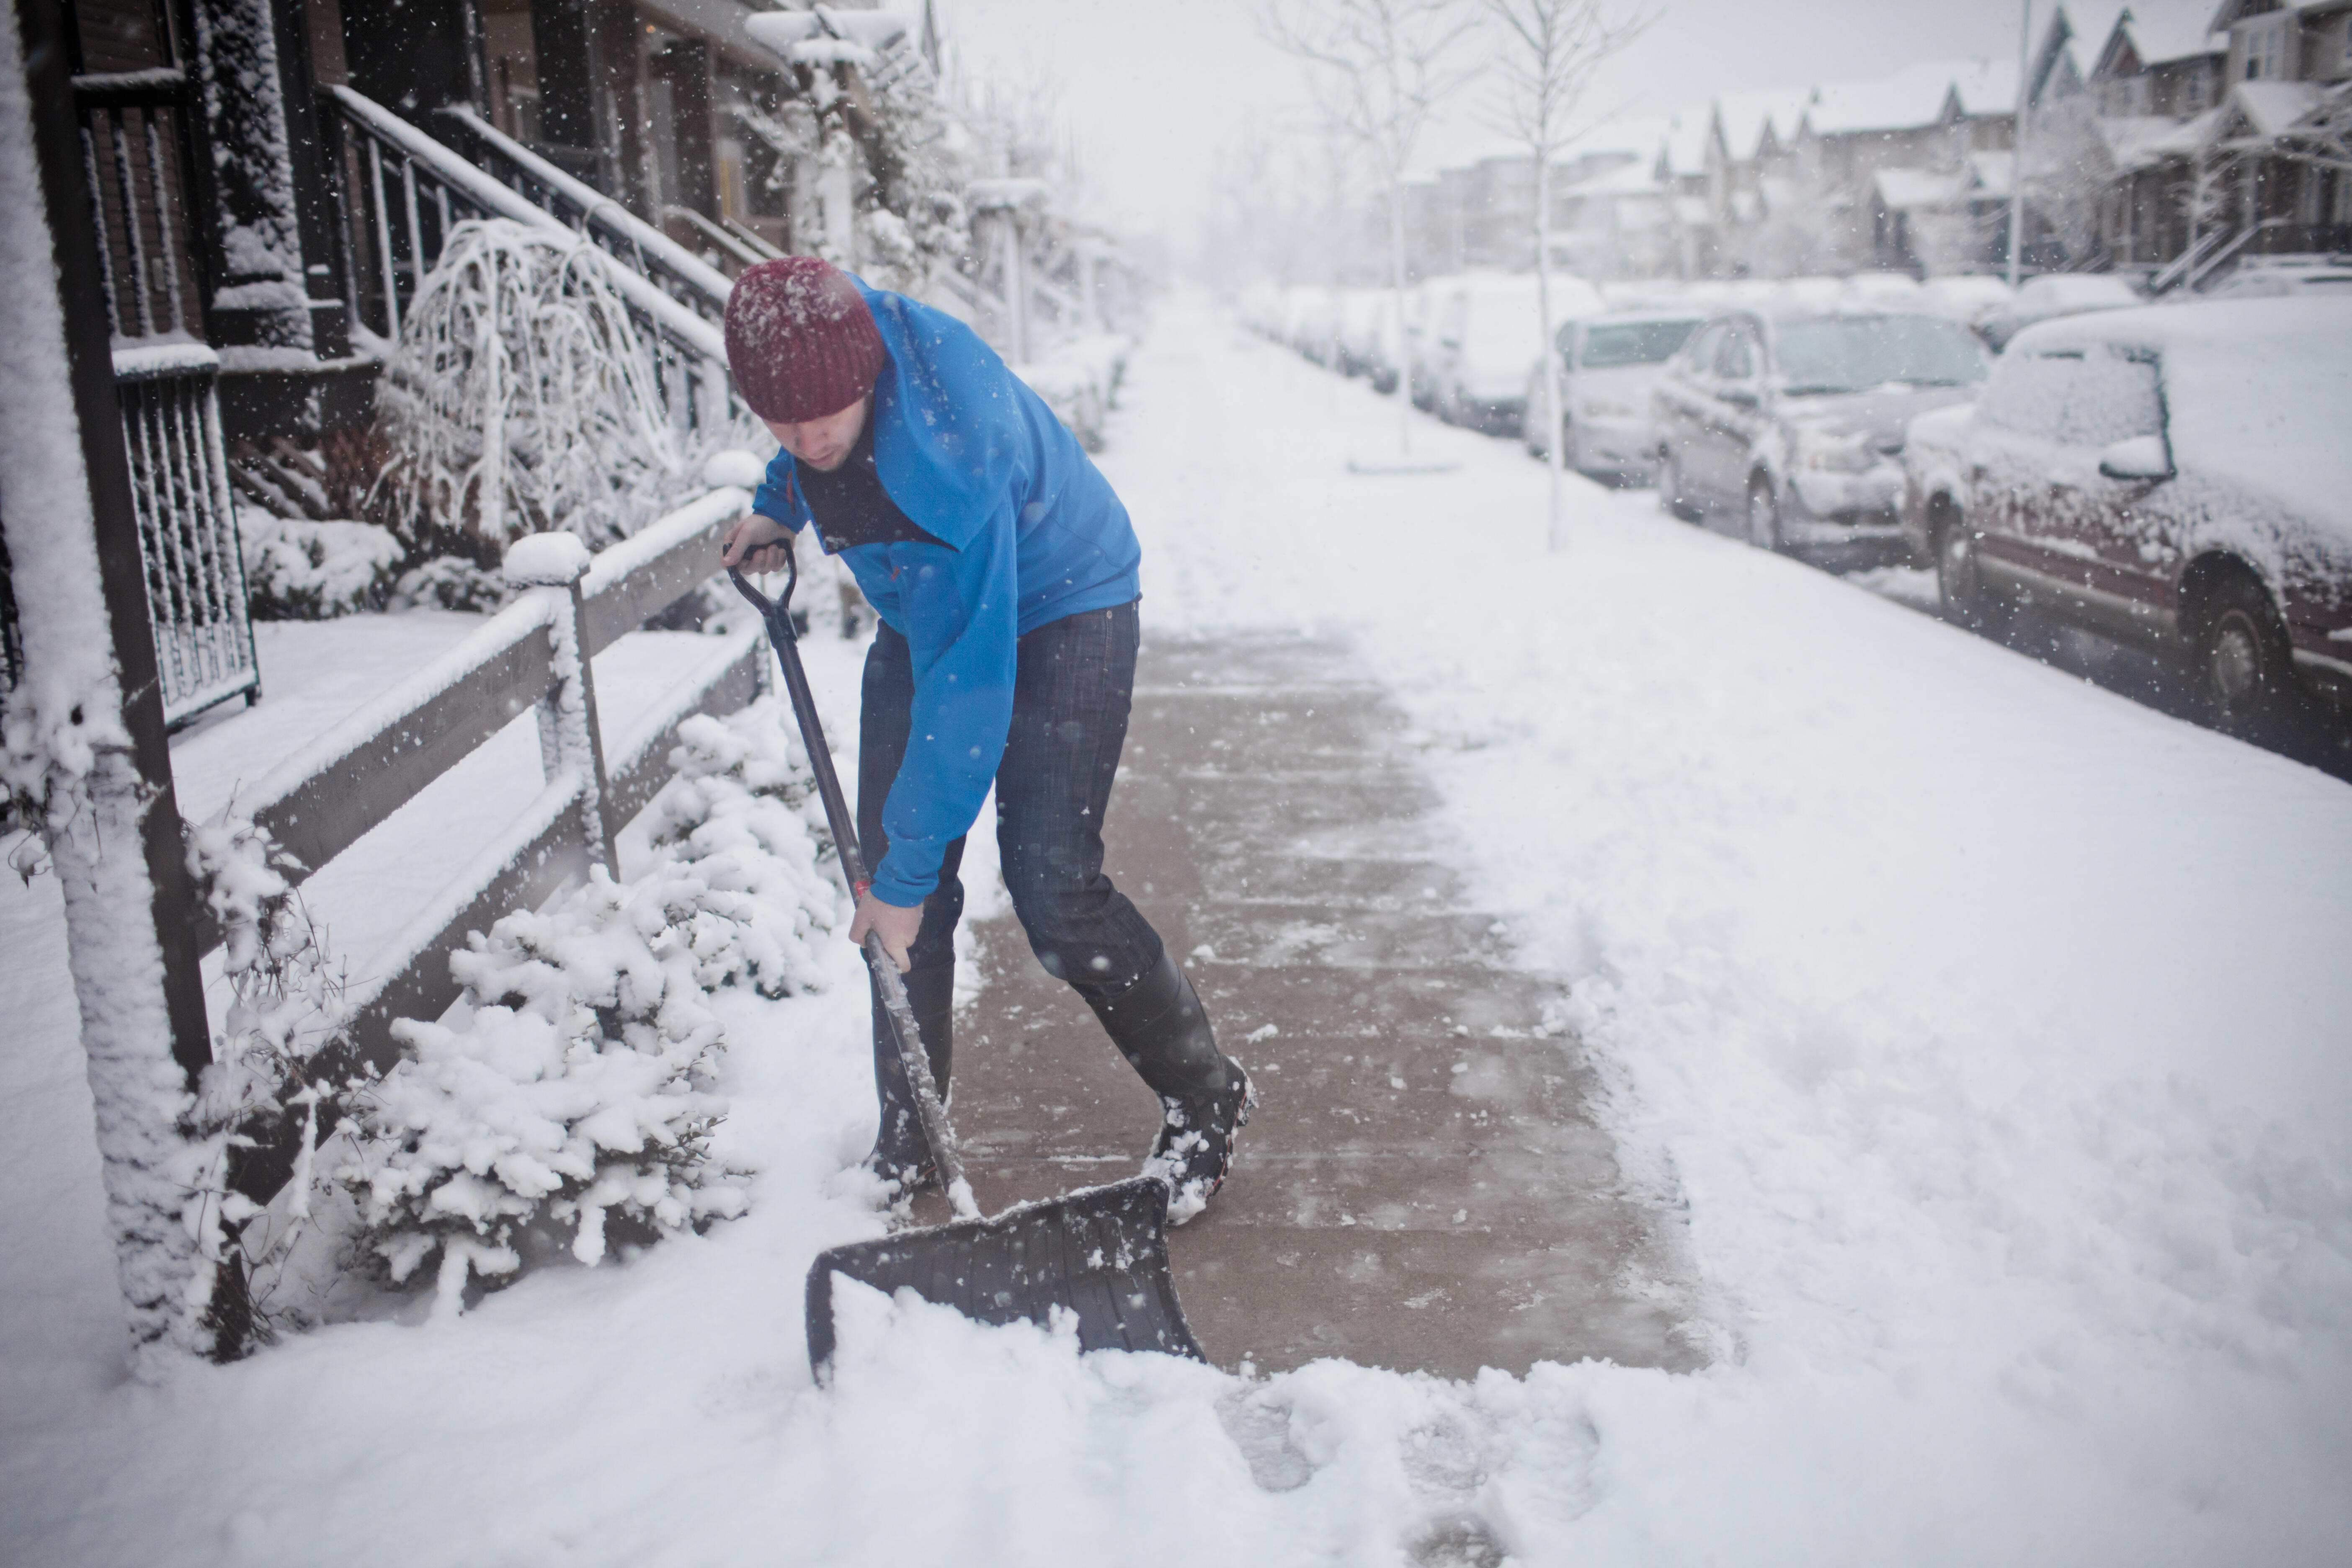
(1789, 423)
(1970, 299)
(2175, 477)
(2055, 294)
(1484, 327)
(1607, 366)
(2285, 276)
(1314, 329)
(1371, 344)
(1881, 291)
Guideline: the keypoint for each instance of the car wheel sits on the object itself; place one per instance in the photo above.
(1763, 516)
(1670, 496)
(2245, 667)
(1961, 585)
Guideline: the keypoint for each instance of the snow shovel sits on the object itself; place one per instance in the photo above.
(1099, 1255)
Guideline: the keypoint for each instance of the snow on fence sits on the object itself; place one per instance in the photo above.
(402, 191)
(187, 525)
(533, 654)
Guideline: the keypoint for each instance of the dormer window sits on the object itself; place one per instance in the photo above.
(2266, 50)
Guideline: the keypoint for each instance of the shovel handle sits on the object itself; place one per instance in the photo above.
(928, 1108)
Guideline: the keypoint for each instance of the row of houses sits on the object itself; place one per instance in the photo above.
(2193, 137)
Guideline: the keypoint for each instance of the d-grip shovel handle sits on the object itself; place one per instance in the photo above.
(917, 1061)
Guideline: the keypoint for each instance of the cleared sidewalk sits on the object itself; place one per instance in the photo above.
(1423, 1185)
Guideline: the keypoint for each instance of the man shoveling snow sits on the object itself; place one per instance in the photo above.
(1004, 570)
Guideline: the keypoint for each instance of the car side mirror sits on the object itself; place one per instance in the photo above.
(2142, 458)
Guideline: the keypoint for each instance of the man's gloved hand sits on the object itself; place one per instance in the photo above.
(896, 925)
(757, 544)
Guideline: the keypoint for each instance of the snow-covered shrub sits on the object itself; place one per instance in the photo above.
(522, 398)
(297, 570)
(449, 583)
(743, 837)
(579, 1082)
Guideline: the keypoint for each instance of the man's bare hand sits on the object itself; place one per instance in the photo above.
(757, 544)
(893, 924)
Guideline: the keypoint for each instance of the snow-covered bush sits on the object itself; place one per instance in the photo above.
(449, 583)
(522, 398)
(297, 570)
(579, 1081)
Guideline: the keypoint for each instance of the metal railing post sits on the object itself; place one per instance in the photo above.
(571, 741)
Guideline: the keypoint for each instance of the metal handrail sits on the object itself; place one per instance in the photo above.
(402, 176)
(680, 273)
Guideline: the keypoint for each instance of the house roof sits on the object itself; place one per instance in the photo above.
(1639, 178)
(2155, 31)
(1901, 190)
(2271, 107)
(1746, 115)
(1685, 139)
(2137, 140)
(1913, 97)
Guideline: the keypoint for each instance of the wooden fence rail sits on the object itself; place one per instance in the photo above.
(350, 779)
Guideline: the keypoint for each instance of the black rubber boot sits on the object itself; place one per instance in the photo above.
(1160, 1028)
(902, 1155)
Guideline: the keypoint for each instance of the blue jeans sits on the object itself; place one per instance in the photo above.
(1075, 683)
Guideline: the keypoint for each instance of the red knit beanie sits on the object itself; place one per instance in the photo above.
(799, 340)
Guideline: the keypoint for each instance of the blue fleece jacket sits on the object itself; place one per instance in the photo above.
(1030, 532)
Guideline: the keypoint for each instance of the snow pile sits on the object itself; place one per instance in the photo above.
(297, 570)
(1079, 380)
(521, 397)
(575, 1081)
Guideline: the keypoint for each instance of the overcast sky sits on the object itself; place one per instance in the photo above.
(1154, 86)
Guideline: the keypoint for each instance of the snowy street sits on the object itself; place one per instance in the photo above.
(1980, 1033)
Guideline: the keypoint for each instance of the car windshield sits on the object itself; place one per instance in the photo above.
(1854, 353)
(1633, 342)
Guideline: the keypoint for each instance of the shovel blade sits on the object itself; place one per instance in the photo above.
(1100, 1253)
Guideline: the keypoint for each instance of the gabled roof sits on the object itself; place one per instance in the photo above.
(2137, 140)
(2271, 107)
(1639, 178)
(2152, 32)
(1901, 190)
(1915, 97)
(1747, 118)
(1686, 140)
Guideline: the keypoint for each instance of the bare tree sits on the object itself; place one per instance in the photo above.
(1550, 52)
(1379, 70)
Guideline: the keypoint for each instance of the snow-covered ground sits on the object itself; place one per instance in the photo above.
(1994, 1029)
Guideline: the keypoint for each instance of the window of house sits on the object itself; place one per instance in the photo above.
(2266, 50)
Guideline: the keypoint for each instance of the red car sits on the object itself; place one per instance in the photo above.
(2173, 476)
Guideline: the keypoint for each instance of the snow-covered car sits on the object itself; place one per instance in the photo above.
(1607, 366)
(1970, 299)
(2055, 294)
(1791, 424)
(1881, 291)
(2172, 476)
(1315, 326)
(1371, 344)
(2285, 278)
(1483, 331)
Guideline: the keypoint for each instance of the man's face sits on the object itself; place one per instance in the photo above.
(823, 443)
